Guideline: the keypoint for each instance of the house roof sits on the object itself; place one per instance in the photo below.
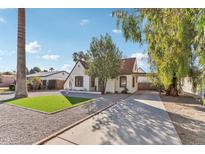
(127, 66)
(85, 65)
(8, 76)
(140, 70)
(45, 74)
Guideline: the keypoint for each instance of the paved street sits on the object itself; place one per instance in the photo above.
(139, 119)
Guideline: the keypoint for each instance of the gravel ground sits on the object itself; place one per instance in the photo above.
(188, 117)
(22, 126)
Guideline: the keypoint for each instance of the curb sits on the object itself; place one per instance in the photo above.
(71, 126)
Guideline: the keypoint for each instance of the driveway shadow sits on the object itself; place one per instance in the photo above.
(133, 122)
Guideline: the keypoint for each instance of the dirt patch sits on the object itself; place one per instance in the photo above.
(188, 117)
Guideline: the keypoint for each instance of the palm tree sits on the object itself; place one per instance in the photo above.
(51, 69)
(21, 87)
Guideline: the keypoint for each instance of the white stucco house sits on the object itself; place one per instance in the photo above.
(78, 80)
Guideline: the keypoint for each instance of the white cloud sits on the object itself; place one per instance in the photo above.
(117, 31)
(140, 56)
(142, 60)
(33, 47)
(51, 57)
(67, 67)
(84, 22)
(2, 20)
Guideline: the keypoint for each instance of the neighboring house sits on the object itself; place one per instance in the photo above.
(78, 80)
(51, 80)
(6, 80)
(187, 86)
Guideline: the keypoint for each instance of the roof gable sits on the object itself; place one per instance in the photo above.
(127, 66)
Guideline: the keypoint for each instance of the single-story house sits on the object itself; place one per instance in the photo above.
(6, 80)
(78, 80)
(51, 80)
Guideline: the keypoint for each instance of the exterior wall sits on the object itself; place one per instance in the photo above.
(59, 84)
(79, 70)
(143, 79)
(6, 80)
(130, 88)
(187, 87)
(110, 86)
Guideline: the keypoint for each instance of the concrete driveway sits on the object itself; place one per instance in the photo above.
(139, 119)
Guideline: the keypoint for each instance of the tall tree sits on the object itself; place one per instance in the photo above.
(200, 37)
(35, 70)
(170, 34)
(104, 60)
(21, 87)
(80, 55)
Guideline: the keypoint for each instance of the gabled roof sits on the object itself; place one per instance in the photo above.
(127, 66)
(85, 65)
(45, 74)
(140, 70)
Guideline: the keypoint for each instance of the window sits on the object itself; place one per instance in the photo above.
(92, 82)
(79, 81)
(123, 81)
(133, 82)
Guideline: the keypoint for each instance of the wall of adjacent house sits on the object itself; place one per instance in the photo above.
(187, 85)
(143, 79)
(79, 70)
(6, 80)
(188, 88)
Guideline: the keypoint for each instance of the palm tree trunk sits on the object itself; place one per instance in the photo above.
(21, 86)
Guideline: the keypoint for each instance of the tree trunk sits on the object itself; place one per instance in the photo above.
(172, 90)
(103, 86)
(21, 87)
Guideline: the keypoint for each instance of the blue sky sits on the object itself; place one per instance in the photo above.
(52, 35)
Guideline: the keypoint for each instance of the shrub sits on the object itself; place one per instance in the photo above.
(204, 102)
(12, 87)
(37, 83)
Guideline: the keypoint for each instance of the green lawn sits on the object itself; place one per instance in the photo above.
(49, 104)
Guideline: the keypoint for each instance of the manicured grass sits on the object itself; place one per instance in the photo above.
(49, 104)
